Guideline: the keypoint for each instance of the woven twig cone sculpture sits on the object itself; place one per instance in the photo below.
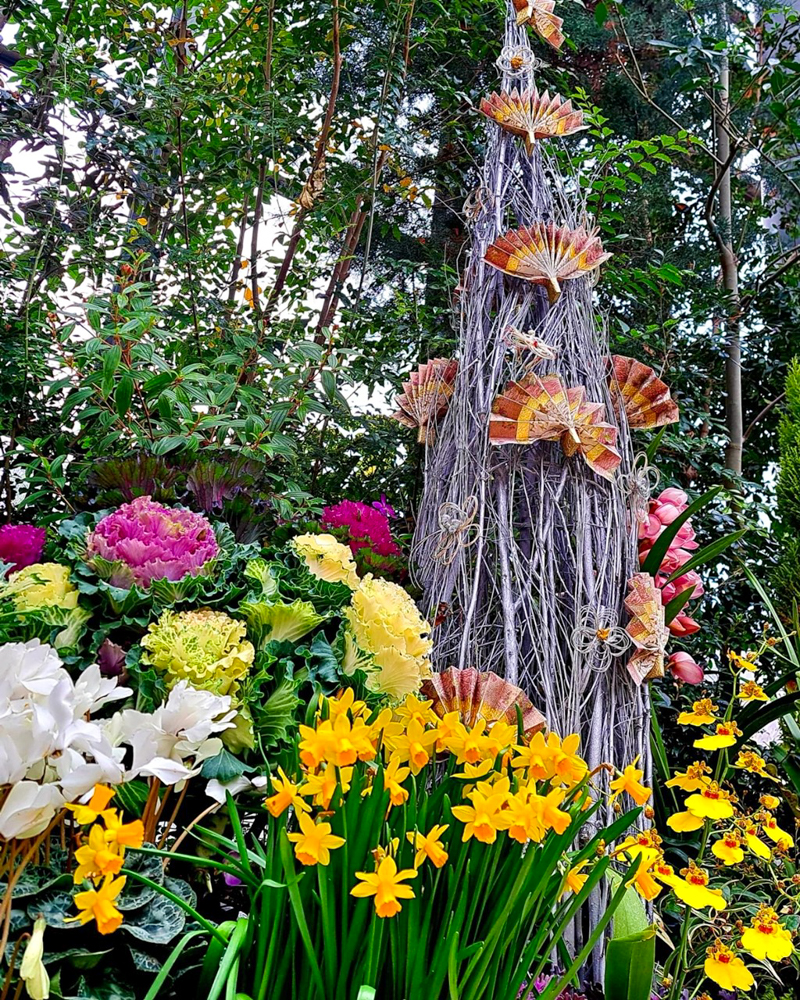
(519, 545)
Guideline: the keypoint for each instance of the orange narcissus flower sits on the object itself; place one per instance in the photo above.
(429, 846)
(750, 691)
(692, 779)
(287, 793)
(642, 879)
(95, 859)
(568, 767)
(575, 879)
(767, 938)
(393, 777)
(726, 969)
(467, 745)
(728, 848)
(412, 743)
(725, 736)
(711, 802)
(322, 785)
(123, 834)
(98, 905)
(536, 757)
(386, 885)
(703, 713)
(770, 826)
(345, 704)
(97, 804)
(629, 781)
(484, 817)
(314, 843)
(414, 708)
(693, 889)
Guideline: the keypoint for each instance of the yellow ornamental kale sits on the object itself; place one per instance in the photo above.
(386, 623)
(204, 647)
(42, 585)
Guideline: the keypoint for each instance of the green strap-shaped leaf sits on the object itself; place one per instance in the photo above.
(630, 963)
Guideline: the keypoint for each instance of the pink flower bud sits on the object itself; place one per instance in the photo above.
(685, 668)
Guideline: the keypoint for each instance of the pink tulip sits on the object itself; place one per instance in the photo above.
(682, 625)
(685, 668)
(674, 496)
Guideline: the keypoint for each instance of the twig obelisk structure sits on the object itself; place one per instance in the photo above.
(524, 549)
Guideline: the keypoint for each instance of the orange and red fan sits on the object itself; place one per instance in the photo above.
(636, 389)
(532, 116)
(426, 395)
(480, 694)
(546, 254)
(647, 629)
(542, 409)
(539, 14)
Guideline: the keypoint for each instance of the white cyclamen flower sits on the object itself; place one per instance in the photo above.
(32, 971)
(28, 809)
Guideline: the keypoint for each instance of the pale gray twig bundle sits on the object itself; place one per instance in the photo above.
(549, 544)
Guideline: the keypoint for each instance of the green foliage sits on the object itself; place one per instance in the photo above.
(786, 575)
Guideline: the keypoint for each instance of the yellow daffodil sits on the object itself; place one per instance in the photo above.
(575, 879)
(536, 757)
(390, 851)
(750, 761)
(770, 802)
(484, 817)
(703, 713)
(684, 822)
(414, 708)
(123, 834)
(724, 736)
(568, 767)
(316, 744)
(726, 969)
(766, 938)
(386, 885)
(693, 889)
(412, 743)
(728, 848)
(468, 745)
(95, 859)
(750, 691)
(321, 786)
(429, 846)
(345, 704)
(473, 772)
(524, 822)
(642, 879)
(630, 781)
(314, 843)
(98, 905)
(97, 804)
(712, 802)
(692, 779)
(547, 806)
(393, 777)
(447, 727)
(499, 738)
(770, 826)
(287, 793)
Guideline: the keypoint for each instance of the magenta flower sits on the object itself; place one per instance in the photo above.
(384, 506)
(367, 527)
(21, 545)
(145, 541)
(685, 668)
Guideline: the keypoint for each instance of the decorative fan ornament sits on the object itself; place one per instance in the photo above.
(532, 115)
(426, 396)
(539, 14)
(541, 409)
(547, 254)
(640, 393)
(480, 694)
(646, 628)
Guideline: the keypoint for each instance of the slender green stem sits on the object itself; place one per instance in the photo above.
(178, 902)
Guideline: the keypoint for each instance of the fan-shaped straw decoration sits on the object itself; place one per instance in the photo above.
(532, 115)
(547, 254)
(426, 395)
(539, 14)
(641, 393)
(481, 694)
(541, 409)
(647, 629)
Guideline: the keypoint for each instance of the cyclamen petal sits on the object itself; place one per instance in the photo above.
(152, 542)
